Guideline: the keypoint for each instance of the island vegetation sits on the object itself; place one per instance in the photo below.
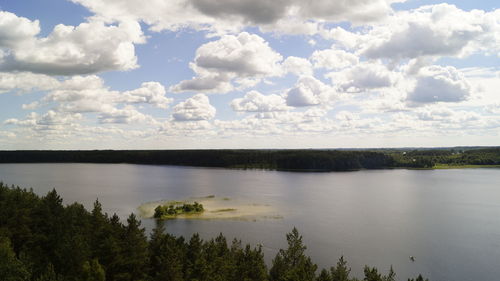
(289, 160)
(43, 240)
(208, 208)
(171, 211)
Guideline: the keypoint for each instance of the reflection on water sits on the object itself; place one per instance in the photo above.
(447, 219)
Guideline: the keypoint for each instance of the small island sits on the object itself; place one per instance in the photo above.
(207, 208)
(171, 211)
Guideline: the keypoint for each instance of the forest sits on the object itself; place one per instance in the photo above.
(43, 240)
(289, 160)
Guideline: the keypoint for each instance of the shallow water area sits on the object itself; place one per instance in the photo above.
(216, 208)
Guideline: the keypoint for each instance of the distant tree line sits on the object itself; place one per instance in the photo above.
(457, 157)
(315, 160)
(292, 160)
(43, 240)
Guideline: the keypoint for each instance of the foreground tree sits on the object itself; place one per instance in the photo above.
(93, 271)
(135, 251)
(292, 264)
(11, 269)
(419, 278)
(341, 271)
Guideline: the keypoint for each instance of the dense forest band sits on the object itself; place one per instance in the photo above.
(299, 160)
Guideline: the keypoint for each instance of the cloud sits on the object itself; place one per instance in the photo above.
(233, 15)
(196, 108)
(308, 91)
(7, 134)
(90, 47)
(444, 118)
(358, 11)
(192, 128)
(257, 11)
(88, 94)
(149, 93)
(291, 26)
(26, 82)
(125, 115)
(438, 30)
(15, 30)
(254, 101)
(213, 83)
(440, 84)
(333, 59)
(159, 14)
(276, 123)
(298, 66)
(362, 77)
(431, 114)
(218, 62)
(347, 39)
(493, 108)
(50, 121)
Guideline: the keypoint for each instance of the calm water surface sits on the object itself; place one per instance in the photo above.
(448, 219)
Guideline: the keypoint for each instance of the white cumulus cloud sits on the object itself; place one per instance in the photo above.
(363, 77)
(309, 91)
(90, 47)
(196, 108)
(218, 62)
(254, 101)
(438, 30)
(440, 84)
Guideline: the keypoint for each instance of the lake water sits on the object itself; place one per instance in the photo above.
(448, 219)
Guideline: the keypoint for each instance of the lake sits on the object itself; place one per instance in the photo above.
(449, 220)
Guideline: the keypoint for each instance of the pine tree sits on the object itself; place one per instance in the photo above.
(93, 271)
(166, 255)
(11, 269)
(135, 251)
(324, 275)
(196, 265)
(391, 276)
(419, 278)
(371, 274)
(341, 271)
(49, 274)
(292, 264)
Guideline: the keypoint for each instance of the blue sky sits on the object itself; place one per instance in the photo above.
(118, 74)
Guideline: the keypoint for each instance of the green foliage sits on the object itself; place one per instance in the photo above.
(304, 160)
(446, 157)
(341, 271)
(372, 274)
(170, 211)
(295, 160)
(93, 271)
(48, 274)
(419, 278)
(292, 263)
(42, 240)
(324, 275)
(11, 268)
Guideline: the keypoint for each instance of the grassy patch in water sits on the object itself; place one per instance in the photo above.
(224, 210)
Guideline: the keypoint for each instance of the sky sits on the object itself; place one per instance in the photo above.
(182, 74)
